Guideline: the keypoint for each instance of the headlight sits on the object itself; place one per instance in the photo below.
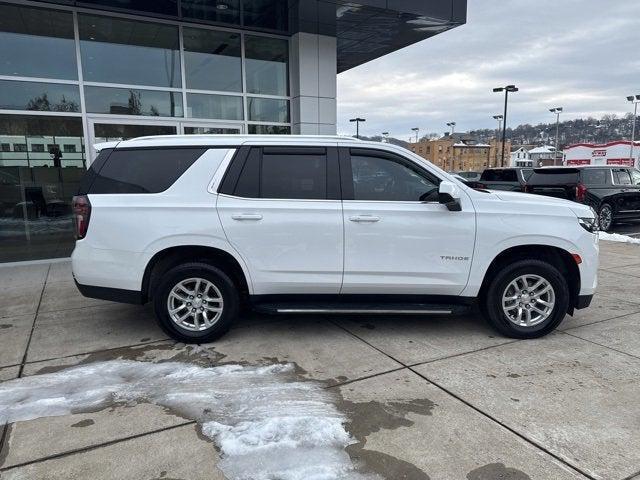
(589, 224)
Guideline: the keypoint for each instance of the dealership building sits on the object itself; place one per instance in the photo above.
(75, 73)
(612, 153)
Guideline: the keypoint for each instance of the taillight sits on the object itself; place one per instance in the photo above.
(81, 215)
(581, 192)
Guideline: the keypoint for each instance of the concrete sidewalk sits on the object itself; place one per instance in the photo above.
(426, 398)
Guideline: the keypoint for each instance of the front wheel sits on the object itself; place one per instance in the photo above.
(527, 299)
(196, 303)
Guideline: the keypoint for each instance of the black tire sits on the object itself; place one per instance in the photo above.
(493, 298)
(606, 212)
(226, 287)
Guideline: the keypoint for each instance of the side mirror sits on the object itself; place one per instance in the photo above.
(449, 195)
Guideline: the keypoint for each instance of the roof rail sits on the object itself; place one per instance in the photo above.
(254, 137)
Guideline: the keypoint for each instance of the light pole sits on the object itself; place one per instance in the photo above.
(507, 89)
(635, 99)
(385, 137)
(416, 129)
(557, 111)
(499, 119)
(358, 120)
(453, 129)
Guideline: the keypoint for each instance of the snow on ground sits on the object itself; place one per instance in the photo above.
(267, 424)
(616, 237)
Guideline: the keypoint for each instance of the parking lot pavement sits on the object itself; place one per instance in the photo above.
(424, 398)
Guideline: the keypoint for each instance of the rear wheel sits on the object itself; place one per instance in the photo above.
(605, 217)
(527, 299)
(196, 303)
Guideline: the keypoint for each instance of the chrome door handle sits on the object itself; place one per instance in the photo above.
(246, 216)
(364, 218)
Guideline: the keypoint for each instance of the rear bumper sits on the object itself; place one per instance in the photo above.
(112, 294)
(583, 301)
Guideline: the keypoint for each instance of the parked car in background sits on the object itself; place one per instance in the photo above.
(612, 191)
(512, 179)
(199, 225)
(469, 176)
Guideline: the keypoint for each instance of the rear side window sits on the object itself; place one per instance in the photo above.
(297, 173)
(499, 176)
(293, 176)
(622, 177)
(143, 170)
(595, 176)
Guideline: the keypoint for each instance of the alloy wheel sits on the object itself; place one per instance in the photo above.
(528, 300)
(195, 304)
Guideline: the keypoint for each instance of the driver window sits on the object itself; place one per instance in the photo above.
(383, 179)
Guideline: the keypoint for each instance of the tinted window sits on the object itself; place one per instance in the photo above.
(116, 50)
(622, 177)
(129, 101)
(266, 65)
(499, 176)
(376, 178)
(143, 170)
(594, 176)
(37, 43)
(299, 176)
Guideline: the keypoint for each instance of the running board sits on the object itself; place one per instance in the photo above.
(359, 309)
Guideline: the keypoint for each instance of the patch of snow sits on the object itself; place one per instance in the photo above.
(616, 237)
(267, 423)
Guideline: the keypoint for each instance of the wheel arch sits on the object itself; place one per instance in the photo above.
(556, 256)
(170, 257)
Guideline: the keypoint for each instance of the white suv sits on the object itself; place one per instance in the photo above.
(201, 225)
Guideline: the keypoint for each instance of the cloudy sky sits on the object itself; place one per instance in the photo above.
(579, 54)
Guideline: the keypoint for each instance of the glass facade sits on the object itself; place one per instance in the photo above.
(70, 78)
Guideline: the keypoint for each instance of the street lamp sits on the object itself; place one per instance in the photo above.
(635, 99)
(357, 120)
(385, 137)
(453, 127)
(416, 129)
(507, 90)
(557, 111)
(499, 119)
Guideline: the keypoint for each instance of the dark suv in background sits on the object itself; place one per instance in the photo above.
(512, 179)
(612, 191)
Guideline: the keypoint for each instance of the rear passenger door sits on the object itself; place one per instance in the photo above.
(281, 210)
(627, 201)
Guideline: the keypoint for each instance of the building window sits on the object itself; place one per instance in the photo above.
(37, 42)
(269, 130)
(224, 107)
(19, 147)
(128, 101)
(5, 147)
(212, 11)
(268, 109)
(267, 65)
(116, 50)
(269, 14)
(37, 147)
(50, 97)
(212, 60)
(69, 148)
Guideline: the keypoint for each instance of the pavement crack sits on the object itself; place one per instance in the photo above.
(602, 345)
(96, 446)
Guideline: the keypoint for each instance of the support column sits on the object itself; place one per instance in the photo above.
(313, 84)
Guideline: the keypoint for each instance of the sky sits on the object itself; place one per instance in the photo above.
(579, 54)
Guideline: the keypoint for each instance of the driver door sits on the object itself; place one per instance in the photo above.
(398, 238)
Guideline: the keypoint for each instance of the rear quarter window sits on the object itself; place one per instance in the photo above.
(595, 176)
(552, 177)
(143, 170)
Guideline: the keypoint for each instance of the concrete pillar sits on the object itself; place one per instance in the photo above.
(313, 84)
